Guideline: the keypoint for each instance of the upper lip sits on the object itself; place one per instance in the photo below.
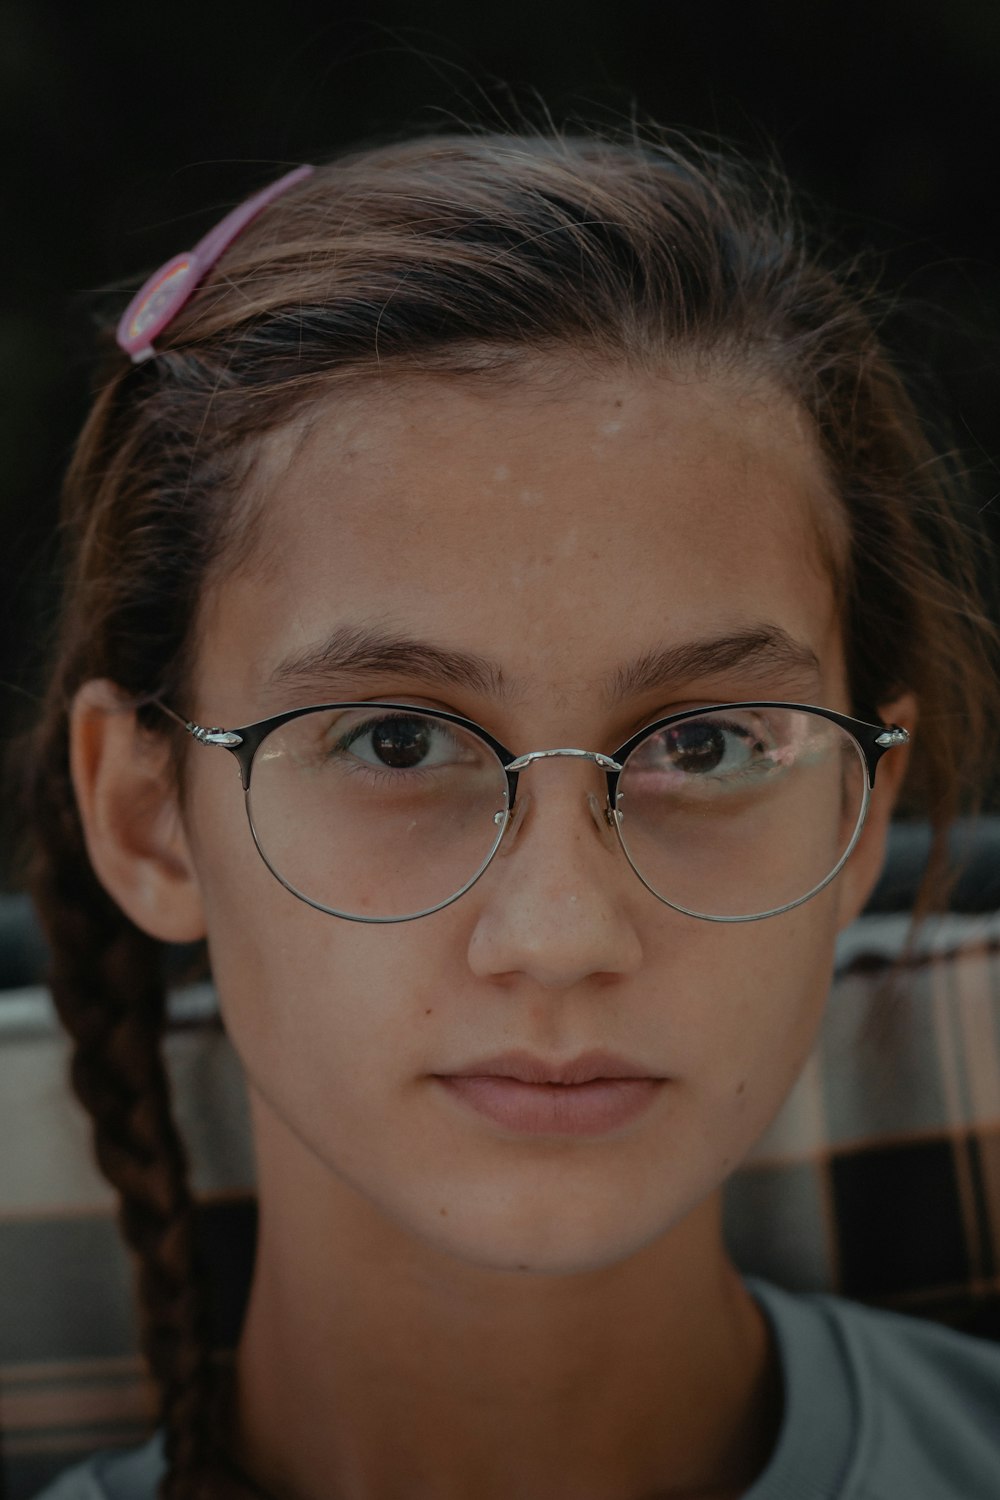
(527, 1068)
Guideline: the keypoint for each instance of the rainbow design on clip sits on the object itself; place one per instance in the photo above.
(163, 294)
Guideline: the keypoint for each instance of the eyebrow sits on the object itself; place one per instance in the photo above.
(763, 649)
(355, 652)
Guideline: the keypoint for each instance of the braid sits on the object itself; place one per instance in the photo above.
(108, 988)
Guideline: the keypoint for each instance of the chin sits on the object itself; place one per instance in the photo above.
(552, 1239)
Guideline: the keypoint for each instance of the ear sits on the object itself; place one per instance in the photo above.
(860, 875)
(128, 799)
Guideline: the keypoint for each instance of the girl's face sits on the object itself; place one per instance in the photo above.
(561, 534)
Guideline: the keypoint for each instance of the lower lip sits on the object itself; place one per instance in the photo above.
(556, 1108)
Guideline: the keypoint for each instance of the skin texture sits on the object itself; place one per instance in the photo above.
(440, 1308)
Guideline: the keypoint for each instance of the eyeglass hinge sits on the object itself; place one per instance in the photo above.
(215, 736)
(893, 736)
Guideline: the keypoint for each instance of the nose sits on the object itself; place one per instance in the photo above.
(556, 904)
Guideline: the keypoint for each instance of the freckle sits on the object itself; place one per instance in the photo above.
(742, 1087)
(443, 1212)
(429, 1012)
(619, 401)
(524, 1268)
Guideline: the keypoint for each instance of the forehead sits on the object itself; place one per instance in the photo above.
(558, 526)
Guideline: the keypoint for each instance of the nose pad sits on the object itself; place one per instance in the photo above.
(599, 810)
(604, 818)
(513, 824)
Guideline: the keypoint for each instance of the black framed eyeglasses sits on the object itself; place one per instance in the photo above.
(382, 812)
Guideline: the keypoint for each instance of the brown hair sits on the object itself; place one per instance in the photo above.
(464, 255)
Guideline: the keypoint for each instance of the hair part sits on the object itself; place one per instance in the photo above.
(471, 257)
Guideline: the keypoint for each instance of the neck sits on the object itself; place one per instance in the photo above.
(374, 1366)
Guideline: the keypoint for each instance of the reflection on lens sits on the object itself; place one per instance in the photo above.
(736, 813)
(376, 813)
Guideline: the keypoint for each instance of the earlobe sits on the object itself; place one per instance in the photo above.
(860, 875)
(127, 794)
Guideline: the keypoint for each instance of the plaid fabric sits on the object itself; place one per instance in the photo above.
(880, 1179)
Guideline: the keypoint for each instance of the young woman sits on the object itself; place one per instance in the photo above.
(506, 574)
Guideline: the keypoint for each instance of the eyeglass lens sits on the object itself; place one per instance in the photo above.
(741, 812)
(386, 814)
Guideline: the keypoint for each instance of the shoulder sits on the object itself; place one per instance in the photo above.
(929, 1391)
(133, 1475)
(926, 1400)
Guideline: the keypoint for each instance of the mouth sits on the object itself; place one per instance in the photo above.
(591, 1094)
(588, 1067)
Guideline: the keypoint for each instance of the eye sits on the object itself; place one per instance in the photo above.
(401, 743)
(698, 747)
(715, 751)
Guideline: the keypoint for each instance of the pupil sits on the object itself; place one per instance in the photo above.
(697, 747)
(401, 742)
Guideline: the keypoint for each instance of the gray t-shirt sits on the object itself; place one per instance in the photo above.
(877, 1407)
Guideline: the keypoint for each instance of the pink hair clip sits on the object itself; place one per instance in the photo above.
(160, 298)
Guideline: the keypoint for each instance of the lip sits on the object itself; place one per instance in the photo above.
(526, 1068)
(589, 1095)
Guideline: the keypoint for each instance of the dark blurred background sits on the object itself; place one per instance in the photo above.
(128, 128)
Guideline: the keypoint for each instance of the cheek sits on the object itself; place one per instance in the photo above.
(755, 1019)
(313, 1005)
(332, 1035)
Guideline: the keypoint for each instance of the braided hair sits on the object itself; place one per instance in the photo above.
(467, 255)
(108, 985)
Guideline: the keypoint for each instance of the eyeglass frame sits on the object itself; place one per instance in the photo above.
(873, 740)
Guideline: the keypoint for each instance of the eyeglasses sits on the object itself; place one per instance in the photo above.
(380, 812)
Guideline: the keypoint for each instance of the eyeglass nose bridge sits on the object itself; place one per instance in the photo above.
(612, 769)
(604, 761)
